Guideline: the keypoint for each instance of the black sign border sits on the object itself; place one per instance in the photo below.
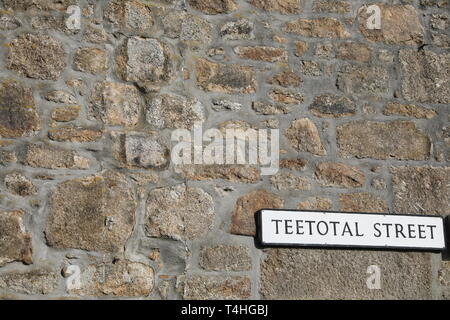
(261, 244)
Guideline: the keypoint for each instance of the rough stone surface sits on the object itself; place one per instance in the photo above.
(174, 111)
(286, 96)
(132, 16)
(286, 78)
(8, 22)
(281, 6)
(339, 274)
(89, 115)
(359, 52)
(225, 258)
(383, 140)
(52, 157)
(121, 278)
(421, 190)
(66, 114)
(115, 104)
(332, 6)
(363, 202)
(18, 114)
(95, 213)
(238, 30)
(187, 27)
(37, 57)
(179, 212)
(332, 106)
(400, 24)
(243, 217)
(145, 60)
(317, 28)
(288, 181)
(15, 241)
(224, 78)
(74, 134)
(315, 203)
(233, 173)
(408, 110)
(92, 60)
(37, 281)
(60, 96)
(267, 108)
(20, 185)
(267, 54)
(332, 174)
(362, 80)
(43, 5)
(145, 151)
(304, 137)
(214, 6)
(216, 288)
(425, 76)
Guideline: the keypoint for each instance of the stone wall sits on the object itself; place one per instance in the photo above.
(87, 183)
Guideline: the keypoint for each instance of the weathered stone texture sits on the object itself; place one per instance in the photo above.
(224, 78)
(237, 30)
(315, 203)
(286, 78)
(304, 137)
(332, 6)
(425, 76)
(332, 106)
(20, 185)
(23, 5)
(288, 181)
(139, 150)
(338, 274)
(92, 60)
(214, 6)
(132, 16)
(363, 80)
(226, 258)
(18, 114)
(74, 134)
(37, 281)
(145, 60)
(187, 27)
(122, 278)
(179, 212)
(363, 202)
(281, 6)
(267, 54)
(421, 190)
(318, 28)
(399, 140)
(216, 288)
(52, 157)
(174, 111)
(66, 114)
(37, 57)
(234, 173)
(115, 104)
(95, 213)
(15, 241)
(400, 24)
(408, 110)
(243, 217)
(339, 175)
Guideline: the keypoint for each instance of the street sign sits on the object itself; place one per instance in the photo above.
(339, 229)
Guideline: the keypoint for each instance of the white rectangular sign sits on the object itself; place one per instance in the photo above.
(336, 229)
